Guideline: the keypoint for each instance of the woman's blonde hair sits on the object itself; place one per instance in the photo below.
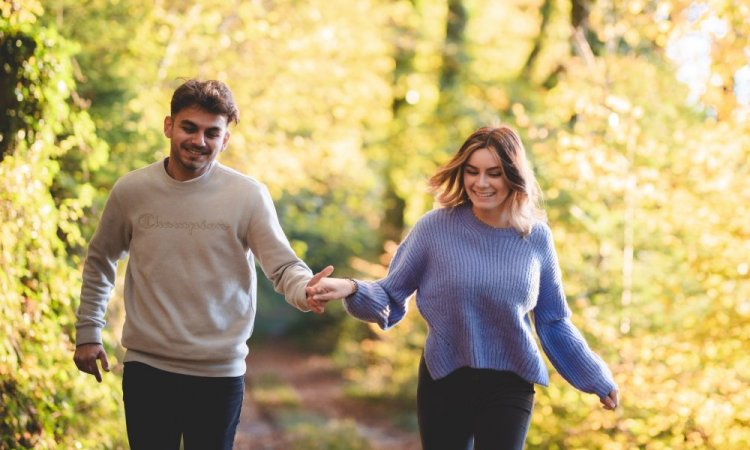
(523, 204)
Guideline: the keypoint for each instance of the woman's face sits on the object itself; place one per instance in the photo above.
(484, 181)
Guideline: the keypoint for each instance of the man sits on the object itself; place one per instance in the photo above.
(192, 229)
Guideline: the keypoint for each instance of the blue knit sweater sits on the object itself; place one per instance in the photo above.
(476, 286)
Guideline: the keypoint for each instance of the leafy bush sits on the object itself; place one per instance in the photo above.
(333, 435)
(44, 401)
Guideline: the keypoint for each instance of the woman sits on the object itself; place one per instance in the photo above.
(481, 266)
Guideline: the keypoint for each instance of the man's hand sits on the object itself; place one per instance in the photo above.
(328, 289)
(86, 357)
(317, 307)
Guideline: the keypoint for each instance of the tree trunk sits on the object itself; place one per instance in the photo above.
(546, 12)
(404, 46)
(584, 41)
(453, 55)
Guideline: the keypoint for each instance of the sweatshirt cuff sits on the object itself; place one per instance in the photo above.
(298, 297)
(88, 335)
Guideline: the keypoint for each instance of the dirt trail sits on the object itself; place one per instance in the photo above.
(319, 387)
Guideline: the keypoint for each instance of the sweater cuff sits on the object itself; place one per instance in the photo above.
(364, 306)
(605, 388)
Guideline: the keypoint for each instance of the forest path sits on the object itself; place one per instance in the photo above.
(317, 389)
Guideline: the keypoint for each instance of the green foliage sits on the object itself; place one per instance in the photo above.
(343, 115)
(654, 258)
(34, 79)
(382, 365)
(44, 401)
(333, 435)
(652, 244)
(303, 430)
(269, 391)
(111, 68)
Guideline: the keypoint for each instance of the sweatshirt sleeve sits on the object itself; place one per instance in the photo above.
(275, 255)
(562, 342)
(110, 244)
(384, 302)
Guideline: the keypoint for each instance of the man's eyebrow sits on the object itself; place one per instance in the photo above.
(190, 123)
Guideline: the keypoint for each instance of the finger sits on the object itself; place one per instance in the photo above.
(327, 271)
(94, 370)
(316, 307)
(83, 364)
(614, 399)
(312, 290)
(103, 358)
(326, 296)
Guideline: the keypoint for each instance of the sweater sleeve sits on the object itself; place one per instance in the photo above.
(384, 302)
(562, 342)
(109, 244)
(276, 257)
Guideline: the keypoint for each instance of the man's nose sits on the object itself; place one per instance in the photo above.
(198, 139)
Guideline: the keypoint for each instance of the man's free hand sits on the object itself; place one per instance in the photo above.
(86, 356)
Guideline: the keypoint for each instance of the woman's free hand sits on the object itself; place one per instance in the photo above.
(611, 401)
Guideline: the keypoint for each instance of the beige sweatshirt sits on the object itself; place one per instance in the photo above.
(190, 284)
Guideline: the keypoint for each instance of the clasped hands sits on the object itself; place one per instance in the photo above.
(322, 289)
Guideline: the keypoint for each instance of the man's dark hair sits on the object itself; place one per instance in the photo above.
(212, 96)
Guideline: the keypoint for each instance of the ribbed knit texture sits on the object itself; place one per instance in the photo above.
(477, 287)
(190, 285)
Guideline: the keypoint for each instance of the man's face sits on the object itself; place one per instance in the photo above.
(196, 138)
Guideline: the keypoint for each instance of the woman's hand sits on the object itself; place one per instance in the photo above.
(610, 402)
(327, 289)
(317, 307)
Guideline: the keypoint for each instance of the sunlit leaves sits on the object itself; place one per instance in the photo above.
(646, 185)
(42, 395)
(633, 168)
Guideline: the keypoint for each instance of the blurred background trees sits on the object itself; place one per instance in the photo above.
(636, 115)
